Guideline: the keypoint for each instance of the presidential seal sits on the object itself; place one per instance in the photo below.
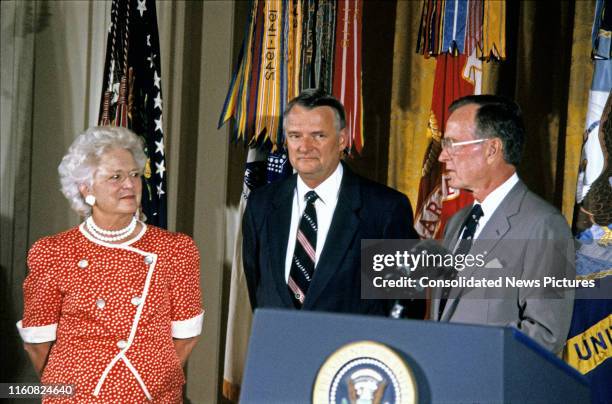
(365, 372)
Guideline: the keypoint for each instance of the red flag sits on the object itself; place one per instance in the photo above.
(347, 69)
(437, 201)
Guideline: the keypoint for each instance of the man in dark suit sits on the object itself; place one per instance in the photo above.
(518, 233)
(302, 236)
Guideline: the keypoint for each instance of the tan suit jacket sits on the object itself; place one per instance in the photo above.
(526, 238)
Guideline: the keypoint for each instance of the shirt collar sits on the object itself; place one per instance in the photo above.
(495, 198)
(327, 190)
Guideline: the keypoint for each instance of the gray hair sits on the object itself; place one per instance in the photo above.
(80, 163)
(312, 98)
(497, 117)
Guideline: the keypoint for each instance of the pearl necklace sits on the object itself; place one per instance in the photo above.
(110, 235)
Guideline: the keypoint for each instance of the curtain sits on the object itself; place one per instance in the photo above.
(51, 52)
(413, 78)
(19, 25)
(581, 72)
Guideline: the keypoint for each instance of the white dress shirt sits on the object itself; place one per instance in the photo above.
(492, 202)
(325, 205)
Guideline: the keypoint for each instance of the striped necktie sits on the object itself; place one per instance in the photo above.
(304, 255)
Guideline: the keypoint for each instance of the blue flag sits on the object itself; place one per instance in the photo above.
(589, 345)
(132, 94)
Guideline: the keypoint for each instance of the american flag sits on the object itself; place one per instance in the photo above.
(132, 94)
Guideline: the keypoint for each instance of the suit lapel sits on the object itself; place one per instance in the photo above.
(499, 224)
(453, 230)
(495, 229)
(344, 226)
(279, 222)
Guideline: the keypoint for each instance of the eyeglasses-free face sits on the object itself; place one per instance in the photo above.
(314, 143)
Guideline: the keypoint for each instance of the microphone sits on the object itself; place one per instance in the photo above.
(425, 267)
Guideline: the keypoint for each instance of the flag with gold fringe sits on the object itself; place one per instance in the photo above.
(589, 344)
(132, 94)
(463, 27)
(437, 200)
(289, 45)
(460, 35)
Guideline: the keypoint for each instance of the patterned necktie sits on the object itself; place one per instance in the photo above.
(304, 255)
(465, 243)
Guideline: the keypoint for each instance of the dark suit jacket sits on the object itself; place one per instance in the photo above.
(365, 210)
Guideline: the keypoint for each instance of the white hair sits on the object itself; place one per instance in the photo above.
(80, 163)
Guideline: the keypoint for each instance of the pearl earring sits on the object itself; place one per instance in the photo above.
(90, 200)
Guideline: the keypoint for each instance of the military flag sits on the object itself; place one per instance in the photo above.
(347, 69)
(291, 45)
(239, 313)
(437, 200)
(463, 27)
(262, 167)
(132, 94)
(460, 35)
(589, 345)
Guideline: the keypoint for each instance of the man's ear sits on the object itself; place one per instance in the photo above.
(343, 138)
(495, 149)
(84, 190)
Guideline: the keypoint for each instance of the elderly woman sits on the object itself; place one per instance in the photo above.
(112, 306)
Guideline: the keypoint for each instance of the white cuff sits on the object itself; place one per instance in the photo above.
(36, 335)
(192, 327)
